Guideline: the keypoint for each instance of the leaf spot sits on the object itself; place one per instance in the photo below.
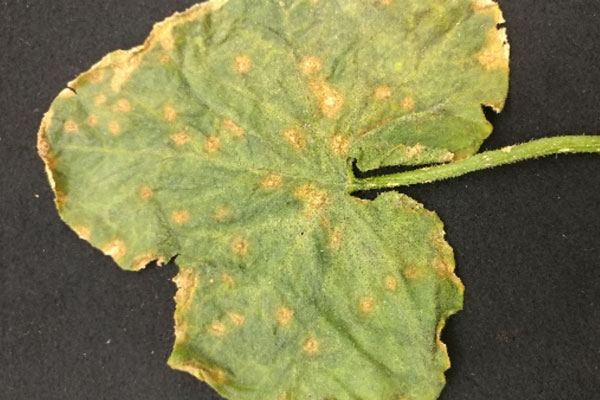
(240, 246)
(234, 128)
(122, 106)
(83, 232)
(61, 199)
(167, 42)
(310, 65)
(114, 128)
(284, 315)
(71, 126)
(169, 114)
(96, 75)
(311, 346)
(495, 54)
(410, 273)
(66, 93)
(383, 93)
(413, 151)
(217, 328)
(141, 261)
(295, 138)
(180, 217)
(100, 99)
(272, 181)
(339, 145)
(115, 249)
(366, 305)
(145, 193)
(212, 144)
(237, 319)
(390, 283)
(92, 120)
(228, 281)
(441, 266)
(313, 197)
(243, 64)
(330, 100)
(222, 213)
(180, 139)
(336, 238)
(408, 103)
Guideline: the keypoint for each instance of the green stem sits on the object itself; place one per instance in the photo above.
(488, 159)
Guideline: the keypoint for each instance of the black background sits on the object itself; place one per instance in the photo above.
(74, 326)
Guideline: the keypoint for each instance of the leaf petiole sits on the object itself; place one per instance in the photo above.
(488, 159)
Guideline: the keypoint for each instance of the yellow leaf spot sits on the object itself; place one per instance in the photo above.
(167, 42)
(234, 128)
(448, 157)
(284, 315)
(143, 260)
(390, 283)
(71, 126)
(383, 92)
(295, 138)
(180, 139)
(122, 106)
(237, 319)
(66, 93)
(313, 197)
(217, 328)
(123, 71)
(114, 128)
(488, 7)
(186, 284)
(311, 346)
(386, 2)
(222, 213)
(83, 232)
(408, 103)
(240, 246)
(272, 181)
(212, 144)
(213, 376)
(243, 64)
(60, 199)
(442, 267)
(180, 217)
(169, 114)
(228, 281)
(330, 100)
(366, 304)
(496, 52)
(100, 99)
(164, 58)
(413, 151)
(339, 145)
(336, 238)
(310, 65)
(410, 273)
(115, 249)
(92, 120)
(96, 75)
(145, 193)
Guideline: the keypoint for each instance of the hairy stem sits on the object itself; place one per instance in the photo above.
(488, 159)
